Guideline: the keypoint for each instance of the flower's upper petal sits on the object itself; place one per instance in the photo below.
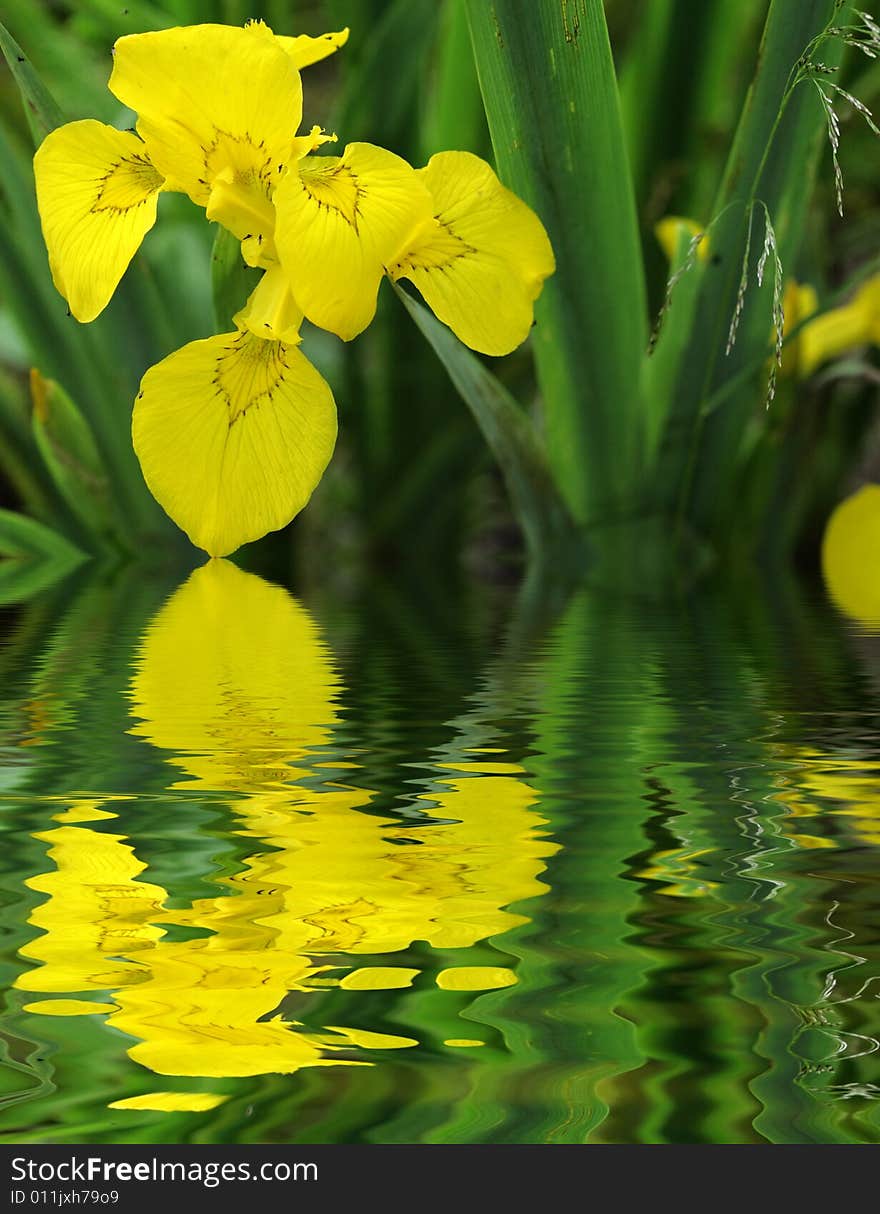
(340, 220)
(304, 50)
(482, 263)
(271, 312)
(96, 192)
(211, 100)
(233, 434)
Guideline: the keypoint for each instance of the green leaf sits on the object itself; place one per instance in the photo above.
(454, 116)
(42, 111)
(698, 461)
(231, 280)
(23, 580)
(67, 445)
(20, 461)
(547, 525)
(22, 538)
(548, 84)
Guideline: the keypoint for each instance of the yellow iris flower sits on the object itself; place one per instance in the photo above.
(821, 340)
(234, 432)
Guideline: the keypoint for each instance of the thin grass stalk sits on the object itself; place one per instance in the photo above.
(786, 187)
(766, 162)
(560, 146)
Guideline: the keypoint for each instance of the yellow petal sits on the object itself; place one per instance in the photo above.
(340, 221)
(675, 231)
(96, 191)
(171, 1102)
(304, 51)
(304, 144)
(211, 99)
(481, 264)
(849, 556)
(233, 434)
(242, 203)
(271, 312)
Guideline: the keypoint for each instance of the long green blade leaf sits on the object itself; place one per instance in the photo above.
(42, 112)
(23, 538)
(550, 92)
(541, 512)
(776, 177)
(69, 451)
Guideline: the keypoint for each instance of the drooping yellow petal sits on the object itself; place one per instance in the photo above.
(340, 221)
(271, 312)
(673, 229)
(233, 434)
(96, 192)
(304, 50)
(481, 264)
(213, 102)
(849, 556)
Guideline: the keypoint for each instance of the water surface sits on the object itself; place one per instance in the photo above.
(437, 866)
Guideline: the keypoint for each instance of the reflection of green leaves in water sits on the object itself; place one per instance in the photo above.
(659, 819)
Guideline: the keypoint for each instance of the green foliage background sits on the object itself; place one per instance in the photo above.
(605, 118)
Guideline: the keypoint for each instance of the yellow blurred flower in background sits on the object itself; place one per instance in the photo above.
(823, 338)
(851, 555)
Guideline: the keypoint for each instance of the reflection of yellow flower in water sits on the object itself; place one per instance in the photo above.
(681, 872)
(99, 919)
(234, 682)
(829, 789)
